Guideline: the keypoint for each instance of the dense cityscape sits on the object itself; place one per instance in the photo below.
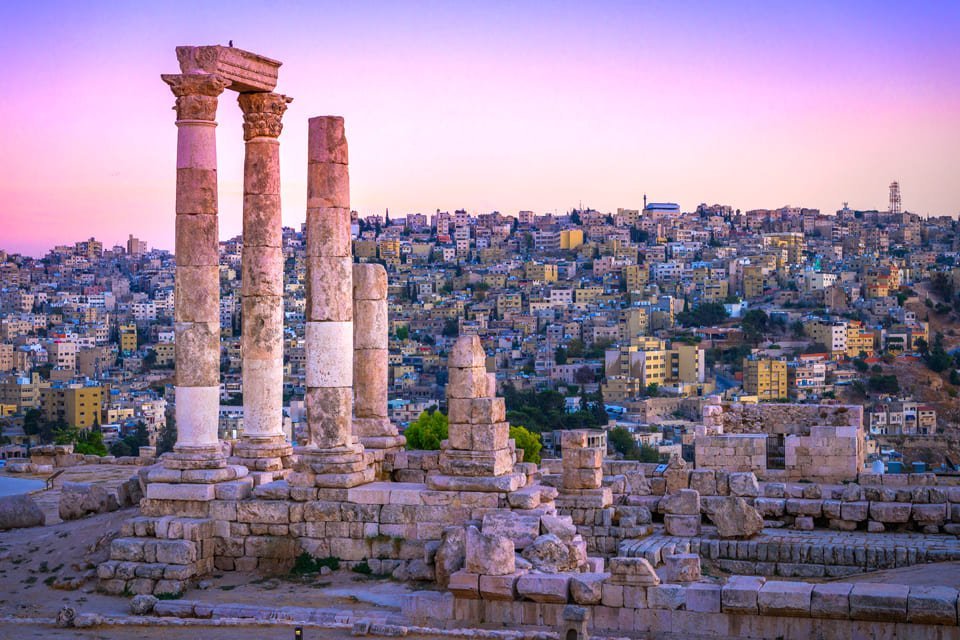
(639, 311)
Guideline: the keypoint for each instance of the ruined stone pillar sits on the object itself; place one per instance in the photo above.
(262, 446)
(478, 454)
(371, 360)
(197, 293)
(332, 455)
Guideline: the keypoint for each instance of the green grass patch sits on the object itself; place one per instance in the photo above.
(306, 564)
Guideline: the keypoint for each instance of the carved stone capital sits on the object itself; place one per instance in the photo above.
(196, 94)
(262, 113)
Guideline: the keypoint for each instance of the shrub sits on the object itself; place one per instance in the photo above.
(527, 441)
(427, 431)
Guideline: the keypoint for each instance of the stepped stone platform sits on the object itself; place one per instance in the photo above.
(800, 554)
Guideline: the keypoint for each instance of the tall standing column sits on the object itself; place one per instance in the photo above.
(332, 456)
(263, 445)
(371, 361)
(197, 292)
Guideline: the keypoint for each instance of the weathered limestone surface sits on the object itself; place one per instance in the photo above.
(263, 446)
(478, 453)
(371, 360)
(196, 323)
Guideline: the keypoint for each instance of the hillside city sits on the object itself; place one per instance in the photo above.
(620, 320)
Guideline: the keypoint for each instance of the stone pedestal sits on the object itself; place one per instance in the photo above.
(371, 328)
(478, 454)
(582, 479)
(262, 447)
(332, 455)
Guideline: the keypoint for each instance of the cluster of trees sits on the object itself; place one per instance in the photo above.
(936, 357)
(621, 440)
(90, 441)
(130, 445)
(703, 315)
(546, 410)
(432, 427)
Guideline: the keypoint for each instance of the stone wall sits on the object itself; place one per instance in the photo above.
(745, 607)
(742, 452)
(827, 454)
(786, 419)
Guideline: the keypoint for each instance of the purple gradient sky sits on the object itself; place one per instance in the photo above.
(529, 105)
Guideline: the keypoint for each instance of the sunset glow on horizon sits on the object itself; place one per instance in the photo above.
(489, 106)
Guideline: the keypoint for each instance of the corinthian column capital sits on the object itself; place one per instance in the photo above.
(196, 94)
(262, 114)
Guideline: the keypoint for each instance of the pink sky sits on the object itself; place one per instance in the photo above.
(490, 106)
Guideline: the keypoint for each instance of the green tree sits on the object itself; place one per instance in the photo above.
(63, 433)
(754, 324)
(90, 442)
(451, 328)
(621, 440)
(121, 449)
(403, 332)
(427, 431)
(32, 421)
(560, 355)
(938, 359)
(528, 441)
(703, 315)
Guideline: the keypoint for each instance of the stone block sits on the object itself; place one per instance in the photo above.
(854, 511)
(932, 605)
(682, 567)
(522, 530)
(682, 526)
(468, 382)
(785, 599)
(502, 587)
(176, 551)
(666, 596)
(545, 588)
(739, 594)
(636, 571)
(264, 511)
(703, 597)
(685, 502)
(743, 484)
(890, 512)
(467, 352)
(489, 554)
(883, 602)
(188, 492)
(464, 584)
(611, 594)
(587, 588)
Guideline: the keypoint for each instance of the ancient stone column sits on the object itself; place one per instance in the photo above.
(197, 293)
(332, 455)
(263, 445)
(371, 360)
(478, 454)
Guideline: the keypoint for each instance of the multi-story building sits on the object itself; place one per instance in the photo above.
(78, 404)
(765, 378)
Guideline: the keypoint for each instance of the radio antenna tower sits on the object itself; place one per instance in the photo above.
(895, 198)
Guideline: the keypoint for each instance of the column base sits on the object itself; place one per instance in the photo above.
(337, 467)
(192, 458)
(463, 462)
(263, 454)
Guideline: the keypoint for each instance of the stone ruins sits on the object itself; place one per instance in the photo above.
(583, 544)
